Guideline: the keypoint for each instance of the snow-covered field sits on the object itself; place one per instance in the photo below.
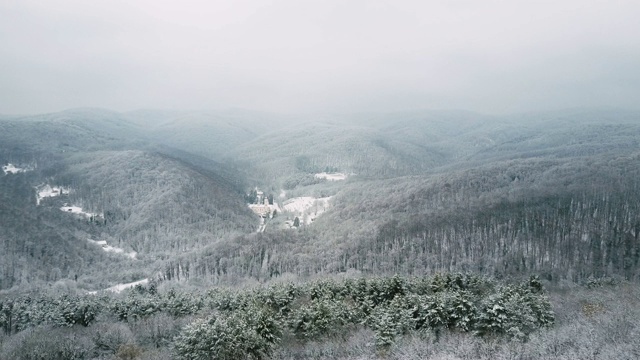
(45, 191)
(78, 211)
(331, 176)
(12, 169)
(108, 248)
(118, 288)
(307, 207)
(299, 204)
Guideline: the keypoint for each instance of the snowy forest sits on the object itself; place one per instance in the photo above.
(399, 235)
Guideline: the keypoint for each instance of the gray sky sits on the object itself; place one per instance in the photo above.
(330, 55)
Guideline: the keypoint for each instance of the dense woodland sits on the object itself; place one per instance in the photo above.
(253, 323)
(553, 195)
(560, 219)
(152, 204)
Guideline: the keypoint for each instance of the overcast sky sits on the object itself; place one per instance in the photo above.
(330, 55)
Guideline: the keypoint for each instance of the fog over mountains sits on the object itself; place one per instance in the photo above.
(362, 179)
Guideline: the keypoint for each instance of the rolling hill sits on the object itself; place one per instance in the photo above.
(118, 189)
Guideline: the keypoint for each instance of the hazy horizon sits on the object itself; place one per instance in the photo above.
(288, 56)
(347, 114)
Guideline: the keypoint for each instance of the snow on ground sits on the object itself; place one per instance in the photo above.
(12, 169)
(108, 248)
(331, 176)
(299, 204)
(45, 191)
(262, 226)
(307, 208)
(118, 288)
(283, 194)
(78, 210)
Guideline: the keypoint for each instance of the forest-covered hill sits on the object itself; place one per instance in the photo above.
(66, 131)
(207, 133)
(148, 203)
(155, 201)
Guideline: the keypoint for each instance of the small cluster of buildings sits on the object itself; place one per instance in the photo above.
(263, 208)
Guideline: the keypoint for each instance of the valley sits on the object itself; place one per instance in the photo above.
(123, 211)
(175, 209)
(298, 211)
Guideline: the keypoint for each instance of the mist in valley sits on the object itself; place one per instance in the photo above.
(319, 180)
